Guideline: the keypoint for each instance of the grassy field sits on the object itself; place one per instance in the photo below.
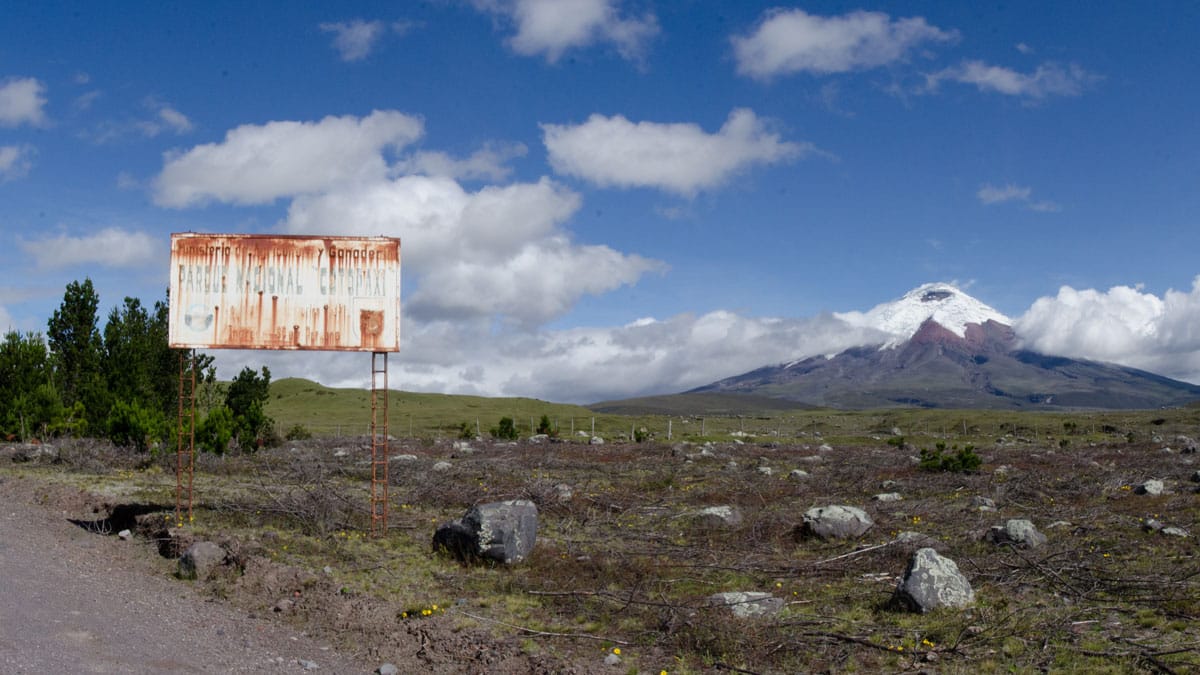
(622, 564)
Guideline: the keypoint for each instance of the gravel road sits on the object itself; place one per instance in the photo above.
(73, 601)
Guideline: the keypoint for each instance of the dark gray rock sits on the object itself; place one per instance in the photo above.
(503, 532)
(912, 541)
(1187, 444)
(933, 581)
(200, 559)
(836, 522)
(981, 503)
(1018, 532)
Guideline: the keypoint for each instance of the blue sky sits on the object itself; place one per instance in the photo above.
(600, 198)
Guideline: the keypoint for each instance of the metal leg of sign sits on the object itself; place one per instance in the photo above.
(185, 436)
(379, 443)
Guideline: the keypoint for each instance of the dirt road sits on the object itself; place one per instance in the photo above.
(79, 602)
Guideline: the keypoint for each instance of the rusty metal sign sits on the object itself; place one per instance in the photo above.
(242, 291)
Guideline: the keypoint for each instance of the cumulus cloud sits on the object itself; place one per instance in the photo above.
(22, 101)
(488, 163)
(1048, 79)
(355, 39)
(791, 41)
(1124, 325)
(110, 247)
(677, 157)
(257, 164)
(990, 194)
(552, 27)
(15, 161)
(579, 365)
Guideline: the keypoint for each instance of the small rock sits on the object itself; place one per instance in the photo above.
(124, 535)
(283, 606)
(341, 453)
(889, 485)
(1018, 531)
(1196, 477)
(1151, 487)
(766, 471)
(801, 474)
(911, 541)
(596, 440)
(403, 458)
(825, 447)
(731, 465)
(442, 466)
(812, 459)
(888, 497)
(388, 669)
(308, 665)
(836, 522)
(612, 660)
(747, 604)
(1174, 532)
(1152, 525)
(982, 503)
(718, 516)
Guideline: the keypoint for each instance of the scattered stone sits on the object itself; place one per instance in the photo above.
(1018, 532)
(612, 660)
(731, 465)
(1058, 524)
(932, 581)
(981, 503)
(308, 665)
(1002, 469)
(596, 440)
(442, 466)
(1174, 532)
(503, 532)
(1152, 487)
(539, 438)
(200, 559)
(563, 492)
(748, 604)
(889, 485)
(766, 471)
(1152, 525)
(836, 522)
(825, 447)
(801, 474)
(1187, 444)
(341, 453)
(714, 517)
(403, 458)
(812, 459)
(283, 606)
(888, 497)
(388, 669)
(911, 541)
(125, 535)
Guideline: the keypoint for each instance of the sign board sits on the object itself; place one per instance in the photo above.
(243, 291)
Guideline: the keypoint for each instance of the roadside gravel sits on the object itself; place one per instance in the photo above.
(80, 602)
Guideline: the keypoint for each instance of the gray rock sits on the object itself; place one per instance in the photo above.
(1187, 444)
(811, 459)
(1018, 532)
(748, 604)
(825, 447)
(612, 660)
(200, 559)
(911, 541)
(563, 492)
(888, 497)
(388, 669)
(403, 458)
(596, 440)
(1152, 487)
(539, 438)
(932, 581)
(502, 532)
(717, 517)
(766, 471)
(341, 453)
(1174, 532)
(125, 535)
(442, 466)
(836, 522)
(982, 503)
(1152, 525)
(801, 474)
(308, 665)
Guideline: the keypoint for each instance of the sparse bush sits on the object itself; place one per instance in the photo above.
(130, 424)
(961, 461)
(641, 435)
(298, 432)
(507, 429)
(544, 426)
(465, 432)
(215, 432)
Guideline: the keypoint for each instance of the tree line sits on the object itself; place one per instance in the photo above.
(121, 383)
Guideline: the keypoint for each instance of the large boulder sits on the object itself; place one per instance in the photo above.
(933, 581)
(1018, 532)
(502, 532)
(200, 559)
(836, 522)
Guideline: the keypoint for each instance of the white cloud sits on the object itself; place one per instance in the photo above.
(15, 161)
(579, 365)
(22, 101)
(498, 251)
(1024, 48)
(354, 39)
(489, 163)
(257, 164)
(990, 194)
(677, 157)
(1123, 325)
(110, 247)
(790, 41)
(1048, 79)
(554, 26)
(165, 118)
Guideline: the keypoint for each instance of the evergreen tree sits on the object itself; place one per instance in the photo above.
(246, 399)
(24, 367)
(76, 350)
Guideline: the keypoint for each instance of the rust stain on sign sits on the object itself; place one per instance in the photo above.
(241, 291)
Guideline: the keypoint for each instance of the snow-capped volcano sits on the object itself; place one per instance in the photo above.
(945, 304)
